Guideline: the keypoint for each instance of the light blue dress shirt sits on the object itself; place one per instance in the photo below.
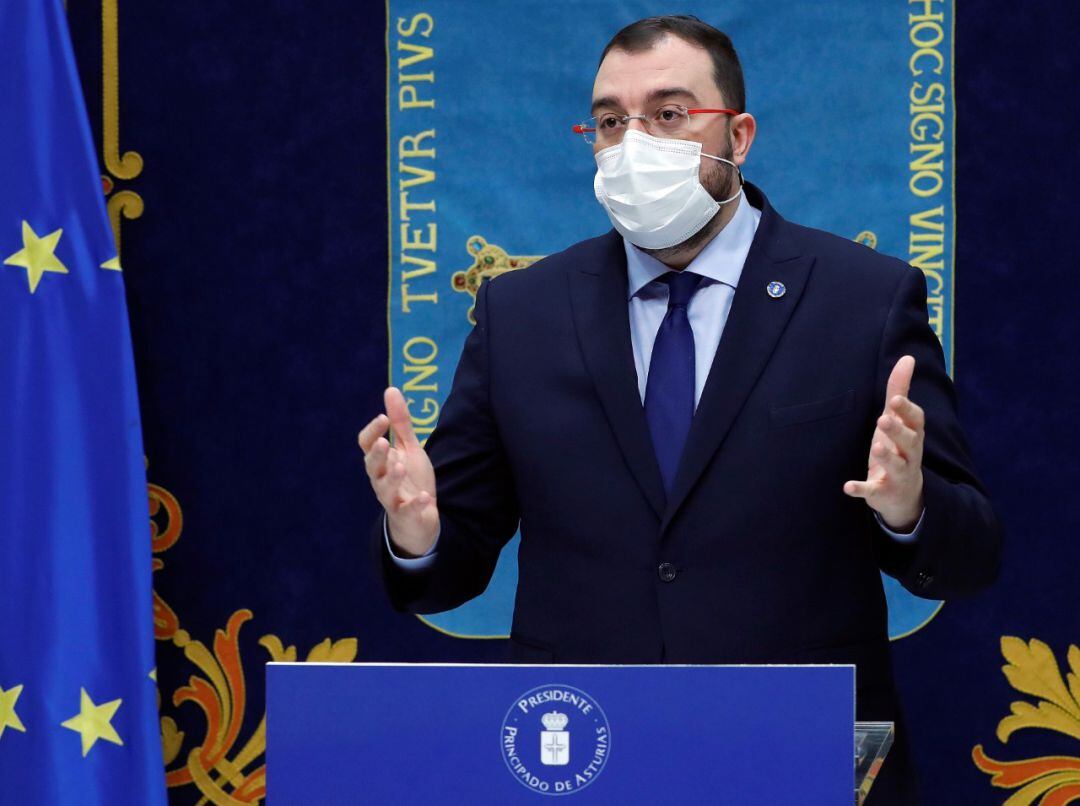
(720, 263)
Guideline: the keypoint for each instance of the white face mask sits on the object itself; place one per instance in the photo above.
(650, 189)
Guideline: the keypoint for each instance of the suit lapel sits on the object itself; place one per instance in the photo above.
(598, 299)
(753, 328)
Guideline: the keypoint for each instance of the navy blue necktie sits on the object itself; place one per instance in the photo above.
(669, 390)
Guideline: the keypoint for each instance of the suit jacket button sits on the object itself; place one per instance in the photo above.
(667, 572)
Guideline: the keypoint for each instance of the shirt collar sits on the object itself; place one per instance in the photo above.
(721, 260)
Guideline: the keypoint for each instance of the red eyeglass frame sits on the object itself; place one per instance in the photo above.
(581, 129)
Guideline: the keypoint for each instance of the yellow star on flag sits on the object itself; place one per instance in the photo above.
(8, 717)
(37, 256)
(93, 722)
(113, 264)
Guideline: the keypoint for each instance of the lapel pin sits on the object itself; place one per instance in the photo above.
(776, 289)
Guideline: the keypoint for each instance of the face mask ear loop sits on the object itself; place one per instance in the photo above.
(737, 170)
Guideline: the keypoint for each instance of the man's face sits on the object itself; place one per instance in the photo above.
(672, 72)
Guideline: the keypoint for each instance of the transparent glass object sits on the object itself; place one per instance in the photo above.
(872, 742)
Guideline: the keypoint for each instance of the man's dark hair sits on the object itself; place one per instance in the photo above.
(644, 34)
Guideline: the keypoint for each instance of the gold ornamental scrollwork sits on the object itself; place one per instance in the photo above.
(129, 165)
(1033, 670)
(224, 770)
(124, 202)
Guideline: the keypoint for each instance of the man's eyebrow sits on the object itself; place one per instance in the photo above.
(670, 92)
(609, 101)
(606, 101)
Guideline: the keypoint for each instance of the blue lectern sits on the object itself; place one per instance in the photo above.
(502, 734)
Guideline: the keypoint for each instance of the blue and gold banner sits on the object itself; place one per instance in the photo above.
(485, 176)
(78, 697)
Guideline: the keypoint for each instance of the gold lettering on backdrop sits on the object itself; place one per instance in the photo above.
(421, 176)
(926, 130)
(408, 146)
(417, 228)
(418, 241)
(416, 165)
(426, 267)
(410, 54)
(408, 206)
(420, 371)
(420, 53)
(927, 169)
(412, 25)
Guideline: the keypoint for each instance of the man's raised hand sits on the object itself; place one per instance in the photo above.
(894, 478)
(401, 476)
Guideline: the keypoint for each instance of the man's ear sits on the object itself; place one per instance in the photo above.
(743, 130)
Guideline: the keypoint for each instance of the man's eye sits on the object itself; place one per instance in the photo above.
(609, 122)
(667, 115)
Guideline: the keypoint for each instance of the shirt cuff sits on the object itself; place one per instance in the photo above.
(413, 563)
(900, 537)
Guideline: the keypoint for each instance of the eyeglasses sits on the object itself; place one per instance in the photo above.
(669, 120)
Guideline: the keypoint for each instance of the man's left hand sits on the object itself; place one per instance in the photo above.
(894, 478)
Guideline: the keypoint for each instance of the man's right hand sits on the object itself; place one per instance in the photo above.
(401, 476)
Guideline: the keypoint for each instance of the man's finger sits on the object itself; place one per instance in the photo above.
(398, 411)
(372, 431)
(393, 489)
(397, 470)
(860, 489)
(375, 459)
(890, 460)
(911, 413)
(414, 505)
(905, 439)
(900, 378)
(884, 440)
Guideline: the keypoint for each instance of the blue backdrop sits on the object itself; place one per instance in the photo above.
(483, 168)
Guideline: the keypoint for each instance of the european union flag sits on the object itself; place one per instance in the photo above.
(78, 702)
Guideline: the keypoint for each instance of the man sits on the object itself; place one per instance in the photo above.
(713, 426)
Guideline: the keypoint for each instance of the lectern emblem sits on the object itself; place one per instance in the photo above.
(536, 745)
(554, 741)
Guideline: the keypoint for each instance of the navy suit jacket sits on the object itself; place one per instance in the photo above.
(758, 556)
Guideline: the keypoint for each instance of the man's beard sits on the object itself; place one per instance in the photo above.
(717, 181)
